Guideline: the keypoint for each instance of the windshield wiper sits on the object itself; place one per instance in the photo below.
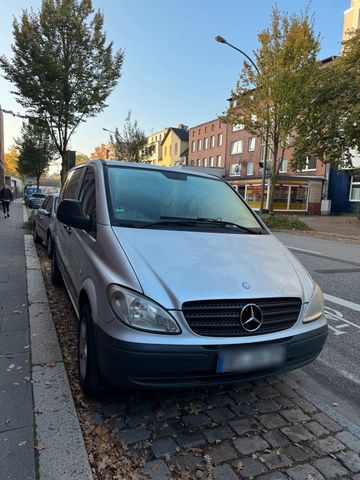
(185, 221)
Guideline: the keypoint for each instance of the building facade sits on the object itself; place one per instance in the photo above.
(207, 145)
(2, 165)
(154, 141)
(351, 18)
(175, 146)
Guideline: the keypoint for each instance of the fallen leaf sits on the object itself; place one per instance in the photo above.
(51, 364)
(39, 447)
(21, 444)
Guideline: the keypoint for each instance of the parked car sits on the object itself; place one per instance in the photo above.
(44, 222)
(177, 282)
(36, 200)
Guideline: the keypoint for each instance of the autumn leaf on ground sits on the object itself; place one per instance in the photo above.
(51, 364)
(194, 409)
(39, 447)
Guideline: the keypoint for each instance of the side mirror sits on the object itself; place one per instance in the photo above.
(44, 212)
(70, 213)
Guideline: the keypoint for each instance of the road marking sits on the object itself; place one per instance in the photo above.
(345, 373)
(337, 332)
(303, 250)
(341, 301)
(332, 314)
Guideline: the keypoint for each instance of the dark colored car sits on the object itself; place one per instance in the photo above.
(44, 222)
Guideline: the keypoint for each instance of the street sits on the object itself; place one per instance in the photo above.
(334, 377)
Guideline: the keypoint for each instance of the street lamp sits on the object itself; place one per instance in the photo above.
(221, 39)
(107, 130)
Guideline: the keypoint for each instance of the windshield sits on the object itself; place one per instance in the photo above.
(38, 195)
(168, 199)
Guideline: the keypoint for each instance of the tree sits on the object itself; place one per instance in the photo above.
(104, 152)
(10, 162)
(131, 145)
(62, 68)
(329, 126)
(270, 100)
(36, 150)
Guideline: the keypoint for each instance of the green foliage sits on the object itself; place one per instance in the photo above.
(284, 222)
(36, 150)
(131, 144)
(270, 100)
(329, 126)
(62, 68)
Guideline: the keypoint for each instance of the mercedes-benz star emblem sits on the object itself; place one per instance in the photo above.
(251, 317)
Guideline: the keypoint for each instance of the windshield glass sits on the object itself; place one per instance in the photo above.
(156, 198)
(38, 195)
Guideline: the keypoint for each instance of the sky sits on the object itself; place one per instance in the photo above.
(174, 72)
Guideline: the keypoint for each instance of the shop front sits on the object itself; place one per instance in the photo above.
(291, 195)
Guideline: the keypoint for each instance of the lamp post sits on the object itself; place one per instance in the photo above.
(221, 39)
(110, 131)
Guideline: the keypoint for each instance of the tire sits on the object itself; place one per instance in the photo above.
(36, 237)
(56, 277)
(88, 368)
(49, 245)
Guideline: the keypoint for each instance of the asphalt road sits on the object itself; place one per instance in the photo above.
(334, 377)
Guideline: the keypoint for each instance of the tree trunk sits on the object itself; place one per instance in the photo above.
(273, 179)
(64, 166)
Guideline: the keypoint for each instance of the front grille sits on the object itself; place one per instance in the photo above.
(221, 318)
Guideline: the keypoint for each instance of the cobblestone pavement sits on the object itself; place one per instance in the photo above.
(261, 430)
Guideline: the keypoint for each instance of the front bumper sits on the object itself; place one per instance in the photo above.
(126, 364)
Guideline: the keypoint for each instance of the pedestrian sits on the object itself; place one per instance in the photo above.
(6, 197)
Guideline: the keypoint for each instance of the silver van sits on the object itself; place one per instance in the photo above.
(177, 282)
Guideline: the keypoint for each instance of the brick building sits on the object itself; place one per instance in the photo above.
(207, 144)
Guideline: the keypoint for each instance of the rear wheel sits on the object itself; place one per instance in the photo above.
(88, 367)
(56, 277)
(36, 237)
(49, 245)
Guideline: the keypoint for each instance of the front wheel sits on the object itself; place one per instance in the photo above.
(88, 367)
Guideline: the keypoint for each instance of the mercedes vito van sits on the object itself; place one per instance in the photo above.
(177, 282)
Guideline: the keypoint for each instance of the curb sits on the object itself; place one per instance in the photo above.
(61, 449)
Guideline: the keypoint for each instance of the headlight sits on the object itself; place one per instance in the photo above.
(315, 307)
(139, 312)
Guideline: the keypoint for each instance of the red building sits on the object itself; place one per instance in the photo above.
(207, 144)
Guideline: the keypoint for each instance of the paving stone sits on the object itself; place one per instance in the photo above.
(245, 425)
(273, 460)
(218, 433)
(326, 422)
(221, 414)
(133, 435)
(299, 454)
(285, 402)
(192, 439)
(351, 460)
(305, 405)
(222, 452)
(167, 411)
(266, 392)
(187, 462)
(244, 396)
(251, 444)
(356, 477)
(221, 401)
(324, 446)
(138, 419)
(158, 470)
(297, 433)
(267, 406)
(194, 420)
(163, 446)
(272, 476)
(272, 420)
(285, 390)
(170, 426)
(295, 415)
(117, 408)
(349, 440)
(276, 438)
(243, 410)
(302, 472)
(250, 467)
(317, 429)
(224, 472)
(330, 468)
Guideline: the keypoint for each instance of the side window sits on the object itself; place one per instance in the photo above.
(45, 203)
(88, 198)
(71, 184)
(49, 203)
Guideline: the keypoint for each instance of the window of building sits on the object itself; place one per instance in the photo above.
(250, 168)
(211, 161)
(206, 143)
(355, 189)
(199, 145)
(205, 162)
(176, 148)
(198, 162)
(165, 150)
(205, 129)
(212, 127)
(310, 164)
(238, 126)
(199, 131)
(212, 141)
(251, 144)
(235, 169)
(218, 161)
(236, 147)
(193, 133)
(220, 139)
(169, 149)
(193, 146)
(192, 163)
(283, 166)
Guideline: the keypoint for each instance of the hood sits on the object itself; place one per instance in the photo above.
(178, 266)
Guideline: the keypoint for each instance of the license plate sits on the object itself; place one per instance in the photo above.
(249, 359)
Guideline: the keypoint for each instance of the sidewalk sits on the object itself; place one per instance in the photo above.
(17, 457)
(340, 225)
